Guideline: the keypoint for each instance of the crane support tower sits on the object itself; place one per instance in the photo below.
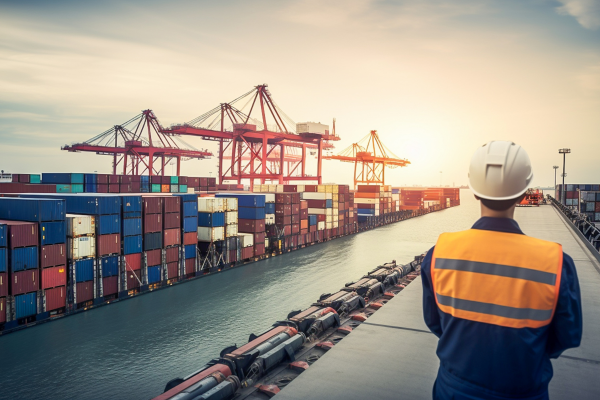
(139, 147)
(370, 158)
(267, 147)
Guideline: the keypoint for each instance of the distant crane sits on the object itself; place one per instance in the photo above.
(370, 158)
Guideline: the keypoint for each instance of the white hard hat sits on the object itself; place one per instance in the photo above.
(500, 170)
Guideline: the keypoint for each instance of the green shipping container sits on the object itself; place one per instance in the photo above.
(182, 188)
(174, 188)
(34, 179)
(77, 188)
(77, 178)
(63, 188)
(174, 180)
(155, 188)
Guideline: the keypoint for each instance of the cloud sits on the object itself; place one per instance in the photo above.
(586, 12)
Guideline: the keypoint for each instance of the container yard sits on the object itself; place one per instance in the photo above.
(73, 242)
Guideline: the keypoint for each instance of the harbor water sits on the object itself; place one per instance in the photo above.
(129, 350)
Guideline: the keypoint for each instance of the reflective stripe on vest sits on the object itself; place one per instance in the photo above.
(498, 278)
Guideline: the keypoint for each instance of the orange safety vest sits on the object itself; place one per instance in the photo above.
(497, 278)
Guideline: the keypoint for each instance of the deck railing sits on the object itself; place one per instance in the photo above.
(582, 223)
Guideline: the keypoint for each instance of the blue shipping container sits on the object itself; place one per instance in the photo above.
(145, 179)
(328, 203)
(77, 188)
(62, 178)
(132, 204)
(312, 220)
(3, 230)
(84, 204)
(211, 219)
(190, 224)
(246, 200)
(366, 211)
(189, 251)
(90, 178)
(23, 258)
(190, 209)
(270, 208)
(90, 188)
(25, 305)
(53, 232)
(84, 270)
(108, 224)
(189, 198)
(132, 226)
(132, 244)
(134, 214)
(32, 209)
(110, 266)
(251, 212)
(154, 274)
(3, 259)
(363, 218)
(152, 241)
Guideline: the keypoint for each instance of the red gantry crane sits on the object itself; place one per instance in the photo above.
(370, 158)
(266, 147)
(138, 145)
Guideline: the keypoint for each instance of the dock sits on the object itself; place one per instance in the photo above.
(392, 354)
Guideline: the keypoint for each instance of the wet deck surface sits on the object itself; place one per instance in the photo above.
(392, 354)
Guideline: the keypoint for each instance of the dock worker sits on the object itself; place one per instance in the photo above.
(501, 303)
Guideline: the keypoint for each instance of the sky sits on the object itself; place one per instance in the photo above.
(436, 79)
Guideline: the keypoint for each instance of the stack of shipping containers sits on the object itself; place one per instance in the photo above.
(251, 221)
(81, 255)
(581, 197)
(3, 272)
(152, 226)
(320, 203)
(171, 236)
(26, 178)
(116, 273)
(230, 252)
(65, 183)
(189, 209)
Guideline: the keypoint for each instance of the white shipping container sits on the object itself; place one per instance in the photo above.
(231, 203)
(312, 127)
(335, 197)
(321, 225)
(211, 204)
(329, 211)
(318, 211)
(231, 217)
(273, 188)
(269, 219)
(328, 225)
(269, 197)
(367, 201)
(231, 230)
(300, 188)
(208, 234)
(316, 196)
(80, 225)
(81, 247)
(328, 218)
(266, 243)
(246, 239)
(335, 224)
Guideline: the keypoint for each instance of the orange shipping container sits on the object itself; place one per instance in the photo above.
(165, 188)
(304, 224)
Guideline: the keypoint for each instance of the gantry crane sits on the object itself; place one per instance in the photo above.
(370, 158)
(138, 144)
(250, 145)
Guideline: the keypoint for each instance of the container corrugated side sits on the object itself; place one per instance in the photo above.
(172, 270)
(152, 204)
(190, 265)
(55, 298)
(23, 258)
(108, 224)
(24, 281)
(152, 223)
(3, 235)
(172, 254)
(211, 219)
(132, 226)
(84, 291)
(3, 284)
(152, 241)
(108, 244)
(231, 230)
(154, 274)
(132, 203)
(21, 234)
(171, 237)
(246, 200)
(172, 204)
(190, 224)
(172, 220)
(110, 285)
(84, 270)
(32, 209)
(54, 277)
(52, 232)
(211, 204)
(2, 310)
(133, 279)
(109, 265)
(80, 225)
(207, 234)
(251, 212)
(190, 209)
(25, 305)
(190, 251)
(81, 247)
(132, 262)
(132, 244)
(52, 255)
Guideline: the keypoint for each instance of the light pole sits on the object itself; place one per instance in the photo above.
(555, 168)
(564, 152)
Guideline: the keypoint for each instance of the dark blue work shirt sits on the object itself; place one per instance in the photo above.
(486, 361)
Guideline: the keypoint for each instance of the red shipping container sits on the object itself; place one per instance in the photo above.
(133, 262)
(211, 181)
(125, 179)
(171, 237)
(2, 310)
(295, 209)
(183, 180)
(172, 204)
(56, 298)
(304, 224)
(8, 187)
(366, 206)
(171, 220)
(172, 270)
(295, 219)
(259, 237)
(21, 234)
(369, 188)
(290, 188)
(271, 230)
(3, 284)
(172, 254)
(190, 238)
(110, 285)
(190, 265)
(295, 198)
(152, 204)
(102, 179)
(247, 252)
(203, 182)
(321, 218)
(136, 178)
(193, 182)
(114, 188)
(283, 219)
(312, 228)
(251, 225)
(311, 188)
(153, 223)
(295, 229)
(102, 189)
(112, 179)
(125, 188)
(84, 291)
(157, 180)
(108, 244)
(283, 198)
(287, 230)
(259, 249)
(133, 279)
(232, 256)
(165, 180)
(135, 187)
(24, 282)
(153, 257)
(15, 178)
(54, 254)
(54, 277)
(303, 213)
(283, 209)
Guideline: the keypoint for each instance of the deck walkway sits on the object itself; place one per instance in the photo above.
(392, 354)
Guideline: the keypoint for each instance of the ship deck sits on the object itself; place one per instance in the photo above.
(392, 354)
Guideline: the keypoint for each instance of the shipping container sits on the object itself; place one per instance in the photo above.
(25, 305)
(23, 258)
(84, 270)
(132, 226)
(172, 204)
(172, 254)
(3, 235)
(132, 244)
(251, 225)
(110, 285)
(251, 213)
(80, 225)
(108, 244)
(109, 265)
(247, 252)
(54, 277)
(132, 262)
(190, 237)
(154, 275)
(2, 310)
(269, 208)
(108, 224)
(55, 298)
(190, 265)
(208, 234)
(84, 291)
(52, 232)
(190, 209)
(153, 223)
(211, 205)
(131, 204)
(152, 204)
(152, 241)
(190, 251)
(3, 284)
(171, 237)
(211, 219)
(24, 282)
(20, 234)
(190, 224)
(172, 220)
(133, 279)
(245, 200)
(81, 247)
(172, 270)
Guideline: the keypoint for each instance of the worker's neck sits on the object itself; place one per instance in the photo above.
(488, 212)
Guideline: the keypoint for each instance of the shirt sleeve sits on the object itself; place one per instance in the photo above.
(566, 326)
(430, 308)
